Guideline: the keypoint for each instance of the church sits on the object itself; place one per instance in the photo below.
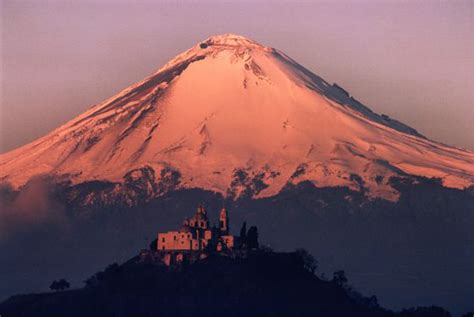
(196, 235)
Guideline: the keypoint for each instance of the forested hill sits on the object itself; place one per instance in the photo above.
(265, 283)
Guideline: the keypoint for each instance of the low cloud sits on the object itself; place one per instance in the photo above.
(31, 209)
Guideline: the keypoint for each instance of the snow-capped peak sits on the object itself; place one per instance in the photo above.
(236, 117)
(230, 40)
(215, 44)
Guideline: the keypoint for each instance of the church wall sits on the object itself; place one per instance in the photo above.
(195, 234)
(175, 240)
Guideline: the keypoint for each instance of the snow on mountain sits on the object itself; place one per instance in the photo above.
(231, 115)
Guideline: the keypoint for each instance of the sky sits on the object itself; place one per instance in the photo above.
(411, 60)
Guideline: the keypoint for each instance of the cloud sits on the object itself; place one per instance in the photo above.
(30, 209)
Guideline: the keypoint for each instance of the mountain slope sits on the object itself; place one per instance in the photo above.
(233, 116)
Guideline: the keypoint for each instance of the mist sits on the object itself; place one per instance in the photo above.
(31, 211)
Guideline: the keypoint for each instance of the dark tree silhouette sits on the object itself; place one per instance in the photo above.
(54, 286)
(339, 277)
(432, 311)
(214, 238)
(60, 285)
(252, 238)
(243, 231)
(309, 262)
(373, 301)
(63, 284)
(154, 244)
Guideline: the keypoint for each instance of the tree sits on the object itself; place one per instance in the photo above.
(252, 238)
(243, 232)
(54, 286)
(373, 301)
(63, 284)
(154, 245)
(339, 277)
(432, 311)
(309, 262)
(60, 285)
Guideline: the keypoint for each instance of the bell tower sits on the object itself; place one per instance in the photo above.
(224, 222)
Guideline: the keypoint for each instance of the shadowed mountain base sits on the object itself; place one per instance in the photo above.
(399, 251)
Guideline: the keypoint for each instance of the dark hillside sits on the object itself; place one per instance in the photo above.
(263, 284)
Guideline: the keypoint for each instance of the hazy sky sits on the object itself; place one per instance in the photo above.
(411, 60)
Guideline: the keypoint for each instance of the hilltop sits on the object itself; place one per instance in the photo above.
(264, 283)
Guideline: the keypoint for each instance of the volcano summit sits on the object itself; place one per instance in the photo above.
(232, 116)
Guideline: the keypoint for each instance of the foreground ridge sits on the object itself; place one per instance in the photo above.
(264, 283)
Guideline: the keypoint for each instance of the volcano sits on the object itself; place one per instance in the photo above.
(233, 122)
(235, 117)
